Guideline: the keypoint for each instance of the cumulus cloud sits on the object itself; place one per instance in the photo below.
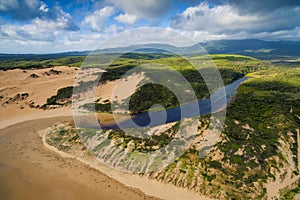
(58, 15)
(27, 10)
(262, 6)
(33, 26)
(7, 5)
(49, 40)
(229, 19)
(21, 9)
(126, 18)
(98, 19)
(144, 9)
(38, 30)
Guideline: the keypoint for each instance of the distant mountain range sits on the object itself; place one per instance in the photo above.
(254, 47)
(251, 47)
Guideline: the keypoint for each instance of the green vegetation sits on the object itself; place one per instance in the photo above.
(97, 107)
(115, 73)
(148, 95)
(231, 68)
(265, 110)
(44, 61)
(61, 98)
(290, 192)
(263, 117)
(151, 143)
(64, 137)
(36, 63)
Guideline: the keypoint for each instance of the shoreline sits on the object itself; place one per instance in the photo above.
(28, 168)
(148, 186)
(38, 114)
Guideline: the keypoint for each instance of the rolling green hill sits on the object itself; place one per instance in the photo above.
(280, 52)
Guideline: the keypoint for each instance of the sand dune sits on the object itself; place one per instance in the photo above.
(29, 170)
(37, 84)
(22, 92)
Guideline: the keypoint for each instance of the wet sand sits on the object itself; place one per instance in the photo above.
(29, 170)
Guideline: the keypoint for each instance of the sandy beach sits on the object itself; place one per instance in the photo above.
(29, 170)
(29, 167)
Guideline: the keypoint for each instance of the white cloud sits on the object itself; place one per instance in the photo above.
(48, 40)
(32, 4)
(262, 7)
(97, 19)
(8, 4)
(145, 8)
(229, 20)
(38, 30)
(204, 36)
(58, 42)
(126, 18)
(44, 7)
(112, 30)
(22, 9)
(44, 36)
(43, 29)
(49, 35)
(28, 10)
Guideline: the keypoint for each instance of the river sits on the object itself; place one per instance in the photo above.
(216, 102)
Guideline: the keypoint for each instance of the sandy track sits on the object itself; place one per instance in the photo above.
(29, 170)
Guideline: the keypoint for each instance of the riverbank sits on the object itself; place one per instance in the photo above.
(29, 170)
(149, 186)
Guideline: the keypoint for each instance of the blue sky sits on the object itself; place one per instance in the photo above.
(44, 26)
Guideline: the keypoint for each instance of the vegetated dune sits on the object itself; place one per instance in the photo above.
(27, 168)
(22, 92)
(119, 90)
(16, 106)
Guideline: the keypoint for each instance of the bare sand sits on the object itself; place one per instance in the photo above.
(121, 89)
(29, 170)
(29, 167)
(274, 187)
(37, 84)
(39, 88)
(149, 186)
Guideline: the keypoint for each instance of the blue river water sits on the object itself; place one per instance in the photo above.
(216, 102)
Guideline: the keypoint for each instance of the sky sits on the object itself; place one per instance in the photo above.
(50, 26)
